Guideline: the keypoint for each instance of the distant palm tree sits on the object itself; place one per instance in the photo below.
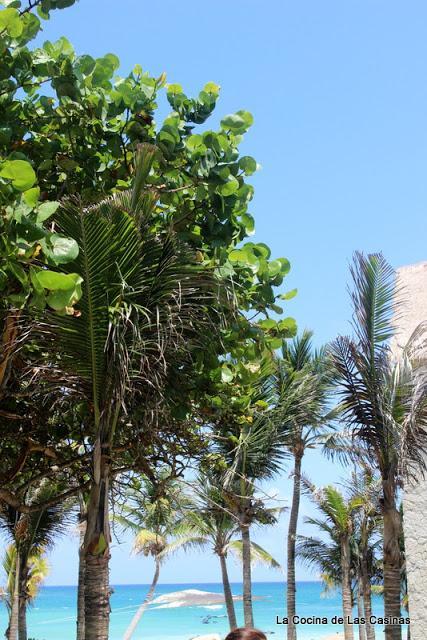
(364, 486)
(384, 400)
(338, 523)
(254, 452)
(36, 571)
(300, 387)
(31, 534)
(153, 512)
(212, 525)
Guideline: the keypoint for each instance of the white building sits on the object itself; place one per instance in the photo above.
(414, 280)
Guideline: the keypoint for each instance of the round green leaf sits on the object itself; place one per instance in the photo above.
(56, 281)
(31, 196)
(11, 22)
(237, 255)
(287, 327)
(20, 172)
(249, 223)
(248, 165)
(274, 268)
(262, 250)
(174, 88)
(59, 300)
(230, 187)
(226, 374)
(285, 266)
(233, 122)
(46, 209)
(211, 87)
(275, 343)
(268, 324)
(61, 249)
(289, 295)
(238, 122)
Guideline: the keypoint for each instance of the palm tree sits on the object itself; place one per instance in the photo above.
(323, 554)
(339, 524)
(32, 533)
(146, 301)
(384, 400)
(153, 512)
(300, 388)
(212, 525)
(364, 486)
(36, 571)
(254, 452)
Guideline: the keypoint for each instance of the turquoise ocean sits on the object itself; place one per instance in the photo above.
(53, 615)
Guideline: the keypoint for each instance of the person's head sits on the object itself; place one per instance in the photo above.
(246, 634)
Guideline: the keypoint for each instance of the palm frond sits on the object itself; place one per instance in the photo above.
(146, 301)
(148, 543)
(374, 301)
(258, 554)
(184, 542)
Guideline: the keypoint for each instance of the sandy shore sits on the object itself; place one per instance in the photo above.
(334, 636)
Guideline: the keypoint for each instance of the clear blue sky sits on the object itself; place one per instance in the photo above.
(339, 95)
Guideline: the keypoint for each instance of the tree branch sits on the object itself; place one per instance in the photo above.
(13, 501)
(32, 4)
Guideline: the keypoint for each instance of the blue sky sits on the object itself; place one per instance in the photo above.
(339, 95)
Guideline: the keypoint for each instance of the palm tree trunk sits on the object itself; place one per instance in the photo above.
(247, 577)
(392, 558)
(228, 596)
(360, 609)
(346, 588)
(22, 622)
(81, 576)
(367, 599)
(22, 615)
(14, 610)
(97, 552)
(148, 598)
(292, 534)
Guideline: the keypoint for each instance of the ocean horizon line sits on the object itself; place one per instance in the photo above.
(183, 584)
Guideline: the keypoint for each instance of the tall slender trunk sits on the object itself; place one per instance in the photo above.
(360, 609)
(81, 577)
(392, 557)
(22, 622)
(23, 601)
(97, 551)
(14, 610)
(247, 577)
(228, 596)
(367, 598)
(148, 598)
(292, 534)
(346, 588)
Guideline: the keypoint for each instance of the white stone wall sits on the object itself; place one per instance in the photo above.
(414, 280)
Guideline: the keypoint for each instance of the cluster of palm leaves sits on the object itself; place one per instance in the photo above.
(25, 564)
(168, 515)
(348, 553)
